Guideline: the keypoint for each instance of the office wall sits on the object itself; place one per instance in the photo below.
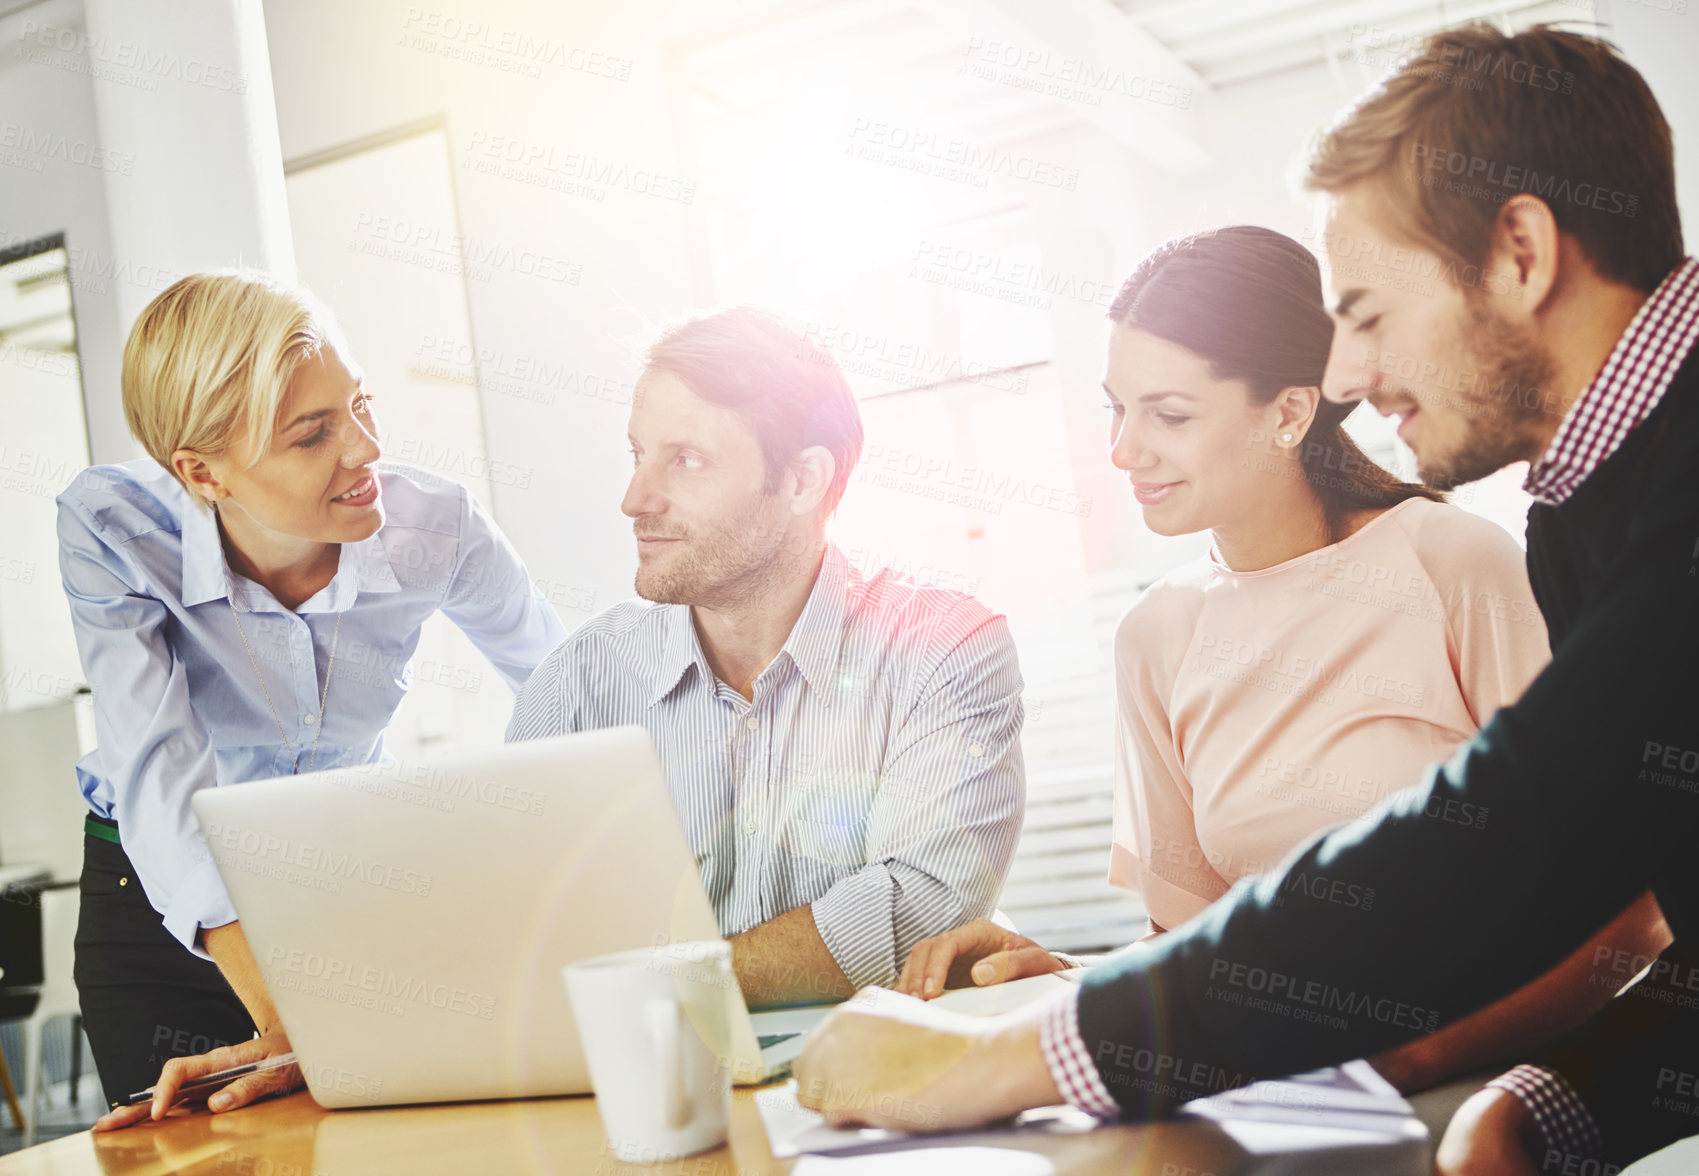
(599, 267)
(541, 100)
(605, 260)
(579, 273)
(572, 239)
(1660, 38)
(51, 162)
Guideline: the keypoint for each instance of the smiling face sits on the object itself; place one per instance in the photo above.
(1471, 391)
(315, 481)
(709, 530)
(1199, 453)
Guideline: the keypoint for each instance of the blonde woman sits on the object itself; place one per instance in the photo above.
(245, 603)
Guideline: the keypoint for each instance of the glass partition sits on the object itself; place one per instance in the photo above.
(43, 445)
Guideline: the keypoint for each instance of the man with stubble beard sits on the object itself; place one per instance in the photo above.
(843, 750)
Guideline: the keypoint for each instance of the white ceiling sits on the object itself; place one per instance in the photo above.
(1231, 41)
(915, 54)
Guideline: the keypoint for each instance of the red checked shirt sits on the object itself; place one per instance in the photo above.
(1635, 377)
(1629, 386)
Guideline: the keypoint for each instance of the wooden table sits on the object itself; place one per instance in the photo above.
(294, 1136)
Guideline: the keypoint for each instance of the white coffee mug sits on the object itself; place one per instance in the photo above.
(655, 1026)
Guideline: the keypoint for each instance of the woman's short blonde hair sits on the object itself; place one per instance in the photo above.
(208, 362)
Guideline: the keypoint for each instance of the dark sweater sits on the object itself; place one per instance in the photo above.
(1536, 833)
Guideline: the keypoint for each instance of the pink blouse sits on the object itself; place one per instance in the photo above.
(1257, 708)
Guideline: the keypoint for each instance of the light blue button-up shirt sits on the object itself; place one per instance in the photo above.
(876, 774)
(177, 704)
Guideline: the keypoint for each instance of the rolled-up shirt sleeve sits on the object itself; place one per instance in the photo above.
(491, 598)
(1070, 1064)
(946, 816)
(1562, 1118)
(154, 751)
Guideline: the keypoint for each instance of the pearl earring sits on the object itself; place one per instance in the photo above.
(1286, 438)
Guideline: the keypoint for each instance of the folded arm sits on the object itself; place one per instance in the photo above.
(785, 962)
(1535, 1014)
(942, 828)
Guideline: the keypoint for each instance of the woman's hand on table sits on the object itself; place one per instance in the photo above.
(980, 952)
(886, 1060)
(239, 1092)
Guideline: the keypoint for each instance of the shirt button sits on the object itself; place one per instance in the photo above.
(749, 826)
(975, 750)
(309, 719)
(752, 724)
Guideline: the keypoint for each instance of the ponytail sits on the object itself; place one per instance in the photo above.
(1344, 478)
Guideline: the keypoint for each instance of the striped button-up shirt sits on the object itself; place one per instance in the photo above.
(875, 774)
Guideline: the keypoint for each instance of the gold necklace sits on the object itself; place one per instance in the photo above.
(294, 756)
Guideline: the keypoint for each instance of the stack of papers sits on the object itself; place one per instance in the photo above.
(1327, 1121)
(1345, 1120)
(792, 1131)
(1349, 1095)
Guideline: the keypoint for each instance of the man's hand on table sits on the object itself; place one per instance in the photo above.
(887, 1060)
(238, 1093)
(980, 952)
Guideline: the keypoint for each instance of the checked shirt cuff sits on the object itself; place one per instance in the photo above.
(1070, 1062)
(1562, 1117)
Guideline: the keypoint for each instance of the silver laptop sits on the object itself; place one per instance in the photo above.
(411, 918)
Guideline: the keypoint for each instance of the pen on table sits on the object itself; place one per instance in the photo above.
(275, 1063)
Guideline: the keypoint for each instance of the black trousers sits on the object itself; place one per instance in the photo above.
(145, 997)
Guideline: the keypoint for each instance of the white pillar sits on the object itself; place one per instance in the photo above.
(185, 103)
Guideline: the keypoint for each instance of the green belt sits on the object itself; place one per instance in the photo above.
(105, 832)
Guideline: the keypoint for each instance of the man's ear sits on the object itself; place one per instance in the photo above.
(198, 476)
(1522, 256)
(812, 472)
